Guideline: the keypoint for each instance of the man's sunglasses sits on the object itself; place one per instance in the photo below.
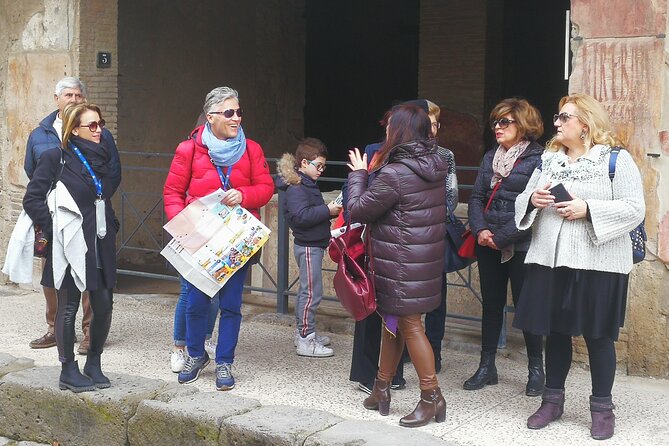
(563, 117)
(93, 126)
(229, 113)
(502, 123)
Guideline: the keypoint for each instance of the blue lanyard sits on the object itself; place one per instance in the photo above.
(225, 177)
(96, 181)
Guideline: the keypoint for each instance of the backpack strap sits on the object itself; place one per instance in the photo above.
(612, 162)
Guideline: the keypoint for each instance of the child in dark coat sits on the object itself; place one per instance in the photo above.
(309, 218)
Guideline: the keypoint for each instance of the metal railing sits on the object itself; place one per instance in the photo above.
(282, 286)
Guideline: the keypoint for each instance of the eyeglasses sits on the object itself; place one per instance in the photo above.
(93, 126)
(229, 113)
(563, 117)
(319, 166)
(502, 123)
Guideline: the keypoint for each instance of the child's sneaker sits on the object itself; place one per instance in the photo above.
(224, 378)
(193, 368)
(210, 347)
(310, 347)
(323, 340)
(177, 360)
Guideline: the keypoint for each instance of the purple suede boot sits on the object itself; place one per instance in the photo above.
(552, 406)
(603, 419)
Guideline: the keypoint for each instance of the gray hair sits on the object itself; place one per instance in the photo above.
(218, 95)
(70, 82)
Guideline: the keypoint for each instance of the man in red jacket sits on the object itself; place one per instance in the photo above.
(217, 155)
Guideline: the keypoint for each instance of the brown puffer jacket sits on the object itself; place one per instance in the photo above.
(406, 212)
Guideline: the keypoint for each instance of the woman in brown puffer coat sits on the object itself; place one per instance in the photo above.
(405, 212)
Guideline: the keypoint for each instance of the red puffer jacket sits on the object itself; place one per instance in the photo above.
(192, 175)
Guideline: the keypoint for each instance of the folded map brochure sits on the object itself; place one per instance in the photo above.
(211, 241)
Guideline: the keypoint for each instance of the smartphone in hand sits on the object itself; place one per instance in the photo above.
(560, 193)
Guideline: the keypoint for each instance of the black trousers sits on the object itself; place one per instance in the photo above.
(435, 321)
(601, 355)
(68, 303)
(494, 278)
(366, 351)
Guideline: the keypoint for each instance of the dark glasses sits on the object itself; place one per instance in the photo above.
(502, 123)
(563, 117)
(229, 113)
(93, 126)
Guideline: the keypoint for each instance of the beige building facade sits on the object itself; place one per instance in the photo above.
(165, 56)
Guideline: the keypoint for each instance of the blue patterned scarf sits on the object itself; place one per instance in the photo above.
(224, 152)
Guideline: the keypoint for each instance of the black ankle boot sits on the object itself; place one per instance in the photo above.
(71, 378)
(485, 375)
(94, 372)
(535, 376)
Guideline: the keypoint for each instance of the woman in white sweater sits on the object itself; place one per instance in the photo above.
(580, 255)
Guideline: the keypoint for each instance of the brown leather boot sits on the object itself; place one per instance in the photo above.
(551, 409)
(380, 398)
(431, 404)
(603, 419)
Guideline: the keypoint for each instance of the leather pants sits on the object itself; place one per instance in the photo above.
(101, 301)
(410, 331)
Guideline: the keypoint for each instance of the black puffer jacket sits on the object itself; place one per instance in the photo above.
(406, 212)
(500, 217)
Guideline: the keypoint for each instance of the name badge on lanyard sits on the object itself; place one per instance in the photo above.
(100, 217)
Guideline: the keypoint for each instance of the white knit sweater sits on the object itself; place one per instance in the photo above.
(615, 208)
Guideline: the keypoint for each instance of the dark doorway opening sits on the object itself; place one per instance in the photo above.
(360, 58)
(525, 56)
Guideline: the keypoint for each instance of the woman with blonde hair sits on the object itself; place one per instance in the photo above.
(81, 179)
(581, 205)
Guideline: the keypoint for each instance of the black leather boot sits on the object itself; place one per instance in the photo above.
(71, 378)
(431, 405)
(485, 375)
(380, 398)
(535, 376)
(93, 371)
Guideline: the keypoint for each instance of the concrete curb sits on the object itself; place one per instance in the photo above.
(143, 411)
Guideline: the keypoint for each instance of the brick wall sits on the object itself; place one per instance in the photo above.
(452, 54)
(98, 21)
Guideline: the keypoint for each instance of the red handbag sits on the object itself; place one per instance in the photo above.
(466, 250)
(353, 285)
(355, 246)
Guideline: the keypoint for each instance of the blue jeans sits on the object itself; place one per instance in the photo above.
(180, 315)
(197, 316)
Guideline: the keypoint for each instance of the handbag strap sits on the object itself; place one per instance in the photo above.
(499, 183)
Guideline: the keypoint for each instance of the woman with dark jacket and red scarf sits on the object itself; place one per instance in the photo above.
(501, 247)
(405, 213)
(217, 155)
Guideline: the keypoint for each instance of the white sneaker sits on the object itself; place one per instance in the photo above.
(210, 347)
(178, 360)
(310, 347)
(323, 340)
